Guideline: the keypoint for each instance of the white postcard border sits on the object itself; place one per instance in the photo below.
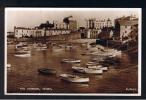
(78, 9)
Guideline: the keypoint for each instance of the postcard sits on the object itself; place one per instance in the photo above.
(73, 51)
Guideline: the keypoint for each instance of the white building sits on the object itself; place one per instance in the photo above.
(93, 33)
(111, 34)
(22, 32)
(37, 32)
(93, 23)
(53, 32)
(27, 32)
(59, 25)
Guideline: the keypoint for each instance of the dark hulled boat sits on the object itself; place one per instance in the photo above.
(47, 71)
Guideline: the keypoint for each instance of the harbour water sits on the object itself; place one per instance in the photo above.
(23, 76)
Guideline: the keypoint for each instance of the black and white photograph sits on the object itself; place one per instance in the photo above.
(73, 51)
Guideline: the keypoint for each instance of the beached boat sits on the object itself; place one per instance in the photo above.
(46, 71)
(71, 61)
(87, 70)
(23, 54)
(74, 78)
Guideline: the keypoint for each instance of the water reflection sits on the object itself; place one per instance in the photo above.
(23, 72)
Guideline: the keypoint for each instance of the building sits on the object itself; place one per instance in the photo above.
(10, 34)
(125, 26)
(93, 33)
(37, 32)
(22, 32)
(72, 24)
(51, 34)
(53, 31)
(59, 25)
(92, 23)
(83, 32)
(106, 33)
(62, 35)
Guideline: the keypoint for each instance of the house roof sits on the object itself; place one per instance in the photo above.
(126, 18)
(22, 28)
(128, 22)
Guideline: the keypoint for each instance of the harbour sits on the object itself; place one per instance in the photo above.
(23, 72)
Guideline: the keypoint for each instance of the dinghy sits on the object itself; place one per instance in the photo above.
(74, 78)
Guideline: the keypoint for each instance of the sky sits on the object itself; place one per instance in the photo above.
(31, 17)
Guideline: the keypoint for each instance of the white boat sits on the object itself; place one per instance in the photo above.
(40, 46)
(87, 70)
(8, 65)
(88, 64)
(98, 67)
(107, 52)
(74, 78)
(104, 68)
(71, 61)
(21, 46)
(9, 42)
(23, 54)
(23, 51)
(91, 63)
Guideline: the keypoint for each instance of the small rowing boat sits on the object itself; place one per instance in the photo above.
(74, 78)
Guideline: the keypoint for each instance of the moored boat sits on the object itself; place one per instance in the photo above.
(47, 71)
(40, 46)
(8, 65)
(91, 63)
(71, 61)
(98, 67)
(74, 78)
(23, 54)
(87, 70)
(21, 46)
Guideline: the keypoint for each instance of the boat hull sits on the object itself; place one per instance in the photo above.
(74, 79)
(22, 55)
(87, 70)
(47, 71)
(82, 80)
(71, 61)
